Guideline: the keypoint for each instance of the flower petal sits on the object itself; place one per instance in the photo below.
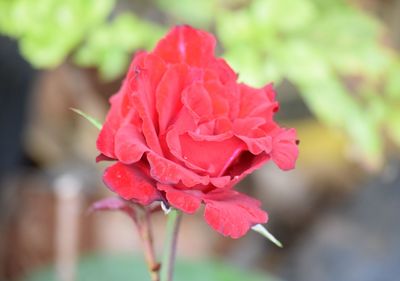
(285, 150)
(168, 95)
(197, 101)
(225, 72)
(185, 44)
(130, 183)
(129, 144)
(148, 129)
(210, 155)
(256, 139)
(168, 172)
(187, 201)
(114, 119)
(245, 164)
(232, 213)
(220, 97)
(143, 77)
(257, 102)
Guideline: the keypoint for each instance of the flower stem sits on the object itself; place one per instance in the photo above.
(168, 260)
(147, 239)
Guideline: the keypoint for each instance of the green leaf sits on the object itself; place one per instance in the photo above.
(91, 119)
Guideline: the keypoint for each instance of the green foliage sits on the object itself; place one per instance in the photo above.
(48, 30)
(106, 268)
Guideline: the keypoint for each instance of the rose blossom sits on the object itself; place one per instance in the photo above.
(182, 130)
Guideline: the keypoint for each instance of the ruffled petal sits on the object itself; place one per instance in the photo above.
(256, 139)
(143, 77)
(285, 150)
(211, 155)
(148, 127)
(184, 44)
(174, 146)
(257, 102)
(168, 172)
(197, 101)
(129, 144)
(232, 213)
(130, 183)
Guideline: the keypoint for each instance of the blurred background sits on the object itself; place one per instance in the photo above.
(336, 67)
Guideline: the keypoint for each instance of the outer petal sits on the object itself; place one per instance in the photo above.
(145, 74)
(187, 201)
(130, 183)
(185, 44)
(143, 77)
(129, 144)
(285, 151)
(257, 102)
(114, 119)
(232, 213)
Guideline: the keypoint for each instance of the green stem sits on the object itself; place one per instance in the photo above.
(168, 260)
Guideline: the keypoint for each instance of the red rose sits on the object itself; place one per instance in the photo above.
(184, 132)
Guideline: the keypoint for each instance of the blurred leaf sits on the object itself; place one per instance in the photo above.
(49, 30)
(110, 46)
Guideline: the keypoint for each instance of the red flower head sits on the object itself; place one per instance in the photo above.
(184, 131)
